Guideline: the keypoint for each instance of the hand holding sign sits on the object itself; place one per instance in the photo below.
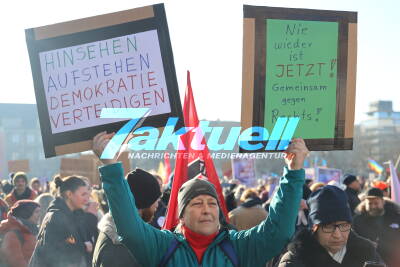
(100, 141)
(296, 154)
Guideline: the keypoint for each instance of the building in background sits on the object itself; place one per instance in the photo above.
(381, 131)
(20, 139)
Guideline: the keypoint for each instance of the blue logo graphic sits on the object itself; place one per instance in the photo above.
(250, 139)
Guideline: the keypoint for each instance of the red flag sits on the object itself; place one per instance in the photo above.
(193, 160)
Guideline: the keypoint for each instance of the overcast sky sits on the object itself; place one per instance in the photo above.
(206, 39)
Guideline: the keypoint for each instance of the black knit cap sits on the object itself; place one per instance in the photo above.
(348, 179)
(374, 192)
(193, 188)
(23, 209)
(144, 187)
(328, 204)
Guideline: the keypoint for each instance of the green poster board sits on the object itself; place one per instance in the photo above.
(300, 63)
(301, 75)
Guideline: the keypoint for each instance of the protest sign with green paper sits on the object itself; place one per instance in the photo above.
(301, 63)
(301, 75)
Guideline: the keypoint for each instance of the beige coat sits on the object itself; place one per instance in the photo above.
(246, 218)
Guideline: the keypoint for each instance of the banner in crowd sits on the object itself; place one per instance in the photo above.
(301, 63)
(85, 166)
(326, 175)
(310, 173)
(117, 60)
(245, 171)
(18, 165)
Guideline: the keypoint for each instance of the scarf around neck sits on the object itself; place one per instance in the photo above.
(198, 242)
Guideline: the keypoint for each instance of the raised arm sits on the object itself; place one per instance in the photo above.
(140, 238)
(261, 243)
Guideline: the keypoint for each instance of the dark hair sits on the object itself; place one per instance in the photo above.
(70, 183)
(7, 187)
(248, 193)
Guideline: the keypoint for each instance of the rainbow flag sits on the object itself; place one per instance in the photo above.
(373, 165)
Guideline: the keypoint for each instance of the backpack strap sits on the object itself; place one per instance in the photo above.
(171, 250)
(227, 247)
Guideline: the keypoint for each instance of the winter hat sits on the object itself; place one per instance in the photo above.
(20, 175)
(374, 192)
(193, 188)
(348, 179)
(144, 187)
(23, 209)
(328, 204)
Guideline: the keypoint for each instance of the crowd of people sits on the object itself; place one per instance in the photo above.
(299, 223)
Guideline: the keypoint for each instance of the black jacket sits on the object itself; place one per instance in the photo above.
(109, 251)
(385, 229)
(305, 251)
(87, 226)
(352, 196)
(60, 242)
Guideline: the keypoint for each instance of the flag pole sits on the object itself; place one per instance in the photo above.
(397, 162)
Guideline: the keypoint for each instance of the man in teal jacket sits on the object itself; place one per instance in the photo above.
(201, 234)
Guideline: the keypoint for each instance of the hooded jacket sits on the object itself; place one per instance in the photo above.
(384, 230)
(253, 247)
(305, 251)
(60, 243)
(14, 252)
(109, 251)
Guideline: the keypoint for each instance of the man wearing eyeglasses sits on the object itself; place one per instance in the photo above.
(329, 240)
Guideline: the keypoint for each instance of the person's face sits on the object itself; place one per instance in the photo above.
(356, 185)
(36, 186)
(201, 215)
(385, 193)
(375, 206)
(20, 184)
(336, 239)
(35, 216)
(78, 199)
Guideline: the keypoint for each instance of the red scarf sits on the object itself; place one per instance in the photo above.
(198, 242)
